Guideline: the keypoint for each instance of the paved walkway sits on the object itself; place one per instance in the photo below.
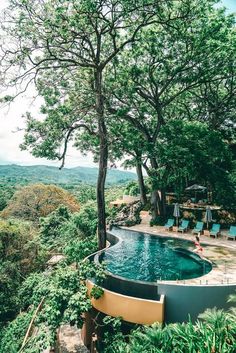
(220, 252)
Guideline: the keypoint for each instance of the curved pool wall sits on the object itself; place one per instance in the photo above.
(186, 300)
(181, 300)
(131, 287)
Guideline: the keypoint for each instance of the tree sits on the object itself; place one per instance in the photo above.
(78, 40)
(149, 89)
(61, 227)
(6, 192)
(126, 141)
(191, 151)
(38, 200)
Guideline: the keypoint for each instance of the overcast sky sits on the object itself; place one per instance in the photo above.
(10, 121)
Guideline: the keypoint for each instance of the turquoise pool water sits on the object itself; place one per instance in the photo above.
(149, 258)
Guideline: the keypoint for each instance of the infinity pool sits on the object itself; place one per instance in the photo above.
(144, 257)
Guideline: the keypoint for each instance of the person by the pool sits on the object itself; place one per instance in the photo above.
(198, 248)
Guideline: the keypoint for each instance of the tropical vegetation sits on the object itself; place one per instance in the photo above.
(147, 83)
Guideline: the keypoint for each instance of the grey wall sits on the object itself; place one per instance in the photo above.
(184, 300)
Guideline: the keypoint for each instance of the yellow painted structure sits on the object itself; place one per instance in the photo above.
(131, 309)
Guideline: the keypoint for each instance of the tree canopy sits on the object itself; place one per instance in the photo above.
(100, 63)
(38, 200)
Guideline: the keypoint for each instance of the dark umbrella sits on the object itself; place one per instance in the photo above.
(176, 213)
(208, 216)
(196, 188)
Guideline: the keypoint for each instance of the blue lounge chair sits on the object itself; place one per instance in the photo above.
(183, 226)
(169, 224)
(215, 230)
(198, 228)
(232, 233)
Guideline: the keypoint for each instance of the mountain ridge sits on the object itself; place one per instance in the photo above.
(51, 174)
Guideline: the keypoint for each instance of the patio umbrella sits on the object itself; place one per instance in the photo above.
(176, 213)
(196, 188)
(208, 216)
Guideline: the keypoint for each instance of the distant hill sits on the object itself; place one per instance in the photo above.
(45, 174)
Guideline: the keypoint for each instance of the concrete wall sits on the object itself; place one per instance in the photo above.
(134, 310)
(184, 300)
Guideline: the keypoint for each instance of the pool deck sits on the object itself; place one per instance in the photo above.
(220, 252)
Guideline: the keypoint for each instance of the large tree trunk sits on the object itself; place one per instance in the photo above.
(103, 158)
(158, 201)
(163, 203)
(143, 195)
(154, 204)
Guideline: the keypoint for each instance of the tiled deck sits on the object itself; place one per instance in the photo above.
(220, 252)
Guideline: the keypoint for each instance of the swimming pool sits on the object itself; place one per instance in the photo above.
(143, 257)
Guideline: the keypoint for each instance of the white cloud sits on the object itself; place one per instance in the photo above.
(10, 139)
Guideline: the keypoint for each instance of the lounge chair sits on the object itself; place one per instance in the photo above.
(231, 233)
(198, 228)
(169, 224)
(215, 230)
(183, 226)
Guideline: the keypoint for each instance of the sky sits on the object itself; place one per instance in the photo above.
(11, 120)
(230, 4)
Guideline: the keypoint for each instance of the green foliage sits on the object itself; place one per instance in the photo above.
(86, 219)
(114, 193)
(6, 193)
(158, 221)
(85, 193)
(77, 250)
(182, 71)
(96, 292)
(53, 226)
(189, 81)
(63, 229)
(216, 332)
(132, 189)
(65, 301)
(21, 254)
(65, 294)
(114, 340)
(40, 341)
(192, 151)
(13, 334)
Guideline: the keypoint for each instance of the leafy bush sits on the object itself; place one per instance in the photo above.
(77, 250)
(132, 188)
(214, 332)
(62, 228)
(12, 335)
(86, 219)
(21, 253)
(52, 226)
